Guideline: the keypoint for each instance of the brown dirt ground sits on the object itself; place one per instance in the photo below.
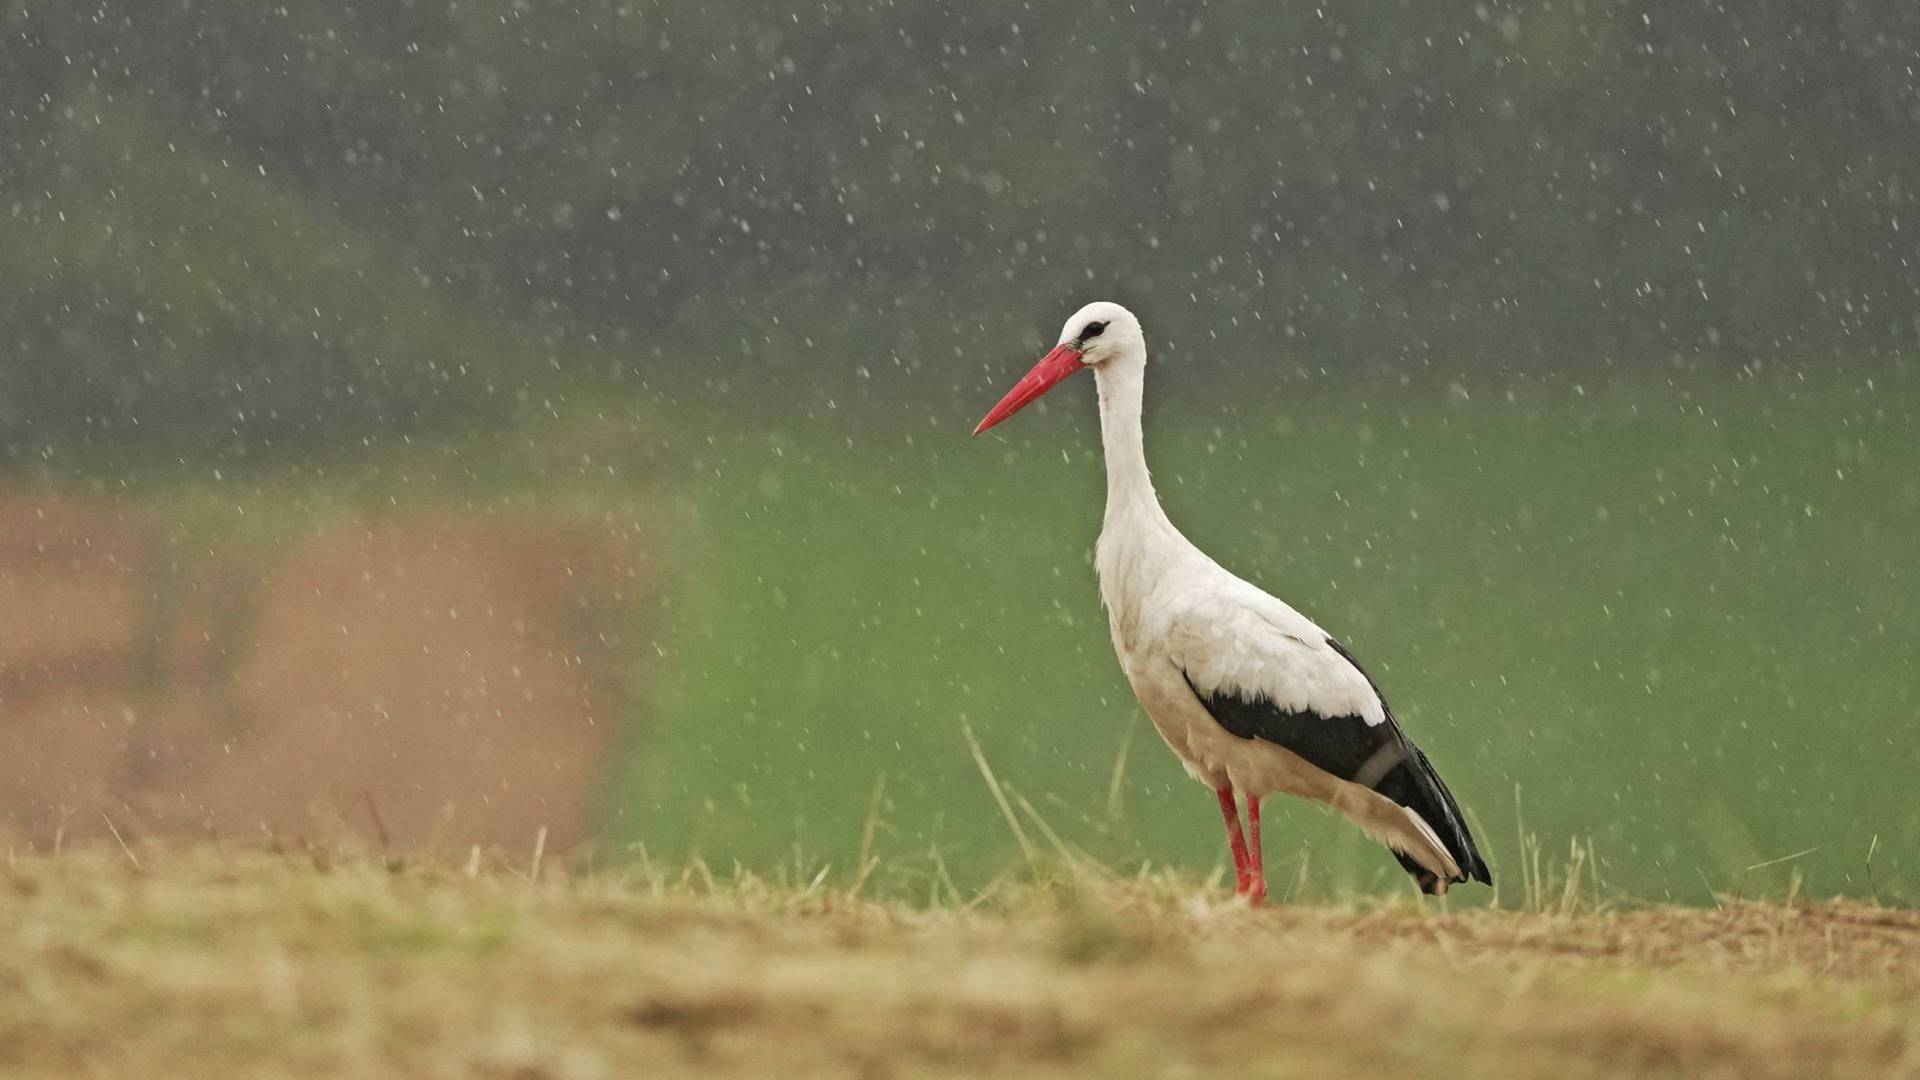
(407, 681)
(213, 966)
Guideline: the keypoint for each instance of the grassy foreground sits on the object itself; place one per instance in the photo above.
(201, 964)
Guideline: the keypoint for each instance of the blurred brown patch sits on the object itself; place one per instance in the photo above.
(72, 611)
(70, 588)
(415, 681)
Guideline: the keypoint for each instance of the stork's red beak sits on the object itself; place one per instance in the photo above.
(1063, 361)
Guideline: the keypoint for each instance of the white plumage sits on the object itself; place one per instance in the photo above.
(1251, 695)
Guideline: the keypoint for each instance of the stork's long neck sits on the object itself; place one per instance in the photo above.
(1136, 540)
(1128, 481)
(1130, 495)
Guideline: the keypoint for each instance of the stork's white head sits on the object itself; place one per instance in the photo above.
(1104, 331)
(1099, 334)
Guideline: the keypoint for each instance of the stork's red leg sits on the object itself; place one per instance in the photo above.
(1236, 842)
(1257, 894)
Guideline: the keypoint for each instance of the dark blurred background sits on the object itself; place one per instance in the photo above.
(294, 216)
(1564, 345)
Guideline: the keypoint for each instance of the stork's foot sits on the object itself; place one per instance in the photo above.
(1251, 888)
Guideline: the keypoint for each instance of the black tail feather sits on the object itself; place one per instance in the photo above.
(1414, 785)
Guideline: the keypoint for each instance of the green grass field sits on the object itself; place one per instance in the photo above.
(1659, 636)
(1676, 619)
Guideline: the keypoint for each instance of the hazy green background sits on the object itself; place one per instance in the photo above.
(1675, 617)
(1562, 361)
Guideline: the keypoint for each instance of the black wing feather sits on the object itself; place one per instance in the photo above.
(1378, 756)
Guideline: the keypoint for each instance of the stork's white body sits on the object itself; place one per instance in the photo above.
(1185, 628)
(1176, 615)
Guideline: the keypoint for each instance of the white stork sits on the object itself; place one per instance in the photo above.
(1250, 694)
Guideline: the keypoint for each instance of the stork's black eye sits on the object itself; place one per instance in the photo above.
(1093, 330)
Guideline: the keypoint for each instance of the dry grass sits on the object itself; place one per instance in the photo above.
(199, 964)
